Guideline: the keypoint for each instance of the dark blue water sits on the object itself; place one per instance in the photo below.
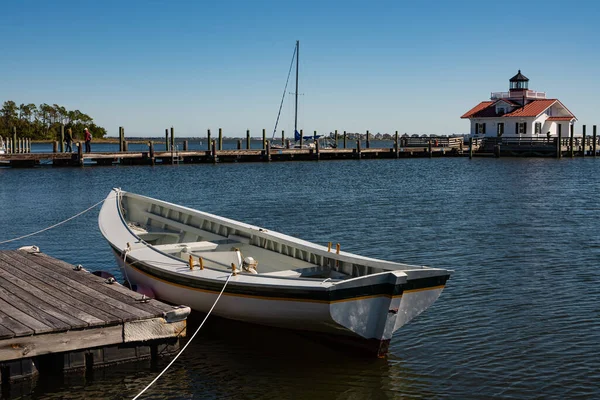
(520, 317)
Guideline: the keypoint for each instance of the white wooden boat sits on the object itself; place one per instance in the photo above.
(296, 284)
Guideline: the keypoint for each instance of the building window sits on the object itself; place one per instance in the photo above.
(500, 130)
(538, 127)
(480, 128)
(501, 111)
(521, 128)
(549, 111)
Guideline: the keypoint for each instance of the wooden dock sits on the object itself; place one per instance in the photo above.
(56, 316)
(401, 149)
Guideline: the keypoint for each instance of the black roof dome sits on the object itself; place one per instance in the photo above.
(519, 77)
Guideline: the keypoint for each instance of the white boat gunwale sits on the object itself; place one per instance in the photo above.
(325, 286)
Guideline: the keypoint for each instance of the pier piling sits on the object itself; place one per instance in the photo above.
(80, 154)
(121, 138)
(151, 152)
(264, 139)
(62, 138)
(167, 139)
(220, 138)
(208, 141)
(247, 139)
(571, 139)
(471, 148)
(594, 140)
(368, 141)
(559, 142)
(583, 138)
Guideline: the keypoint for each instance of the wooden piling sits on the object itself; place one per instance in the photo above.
(430, 149)
(151, 152)
(344, 139)
(497, 151)
(368, 140)
(572, 133)
(396, 148)
(125, 146)
(559, 142)
(301, 138)
(213, 152)
(121, 138)
(167, 139)
(54, 147)
(62, 138)
(268, 149)
(185, 145)
(239, 144)
(583, 149)
(336, 139)
(358, 151)
(14, 146)
(80, 154)
(594, 138)
(287, 143)
(317, 152)
(264, 139)
(208, 141)
(282, 138)
(220, 138)
(470, 148)
(247, 139)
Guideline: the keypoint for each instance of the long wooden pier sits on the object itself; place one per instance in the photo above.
(401, 149)
(56, 316)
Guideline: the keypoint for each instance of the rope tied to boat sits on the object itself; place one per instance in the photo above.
(189, 341)
(125, 252)
(57, 224)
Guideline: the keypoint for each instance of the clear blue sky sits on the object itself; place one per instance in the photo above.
(411, 66)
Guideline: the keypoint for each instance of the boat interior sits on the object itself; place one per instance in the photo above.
(182, 233)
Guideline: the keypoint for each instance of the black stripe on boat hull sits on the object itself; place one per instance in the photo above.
(331, 294)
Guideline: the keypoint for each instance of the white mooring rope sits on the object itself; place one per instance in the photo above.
(57, 224)
(189, 341)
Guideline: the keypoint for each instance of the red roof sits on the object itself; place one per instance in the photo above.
(479, 107)
(560, 118)
(533, 109)
(487, 109)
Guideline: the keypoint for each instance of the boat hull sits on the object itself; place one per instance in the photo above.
(366, 322)
(299, 285)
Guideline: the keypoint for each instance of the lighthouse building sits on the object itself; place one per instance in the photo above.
(520, 112)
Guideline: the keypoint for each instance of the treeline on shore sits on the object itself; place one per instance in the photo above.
(44, 122)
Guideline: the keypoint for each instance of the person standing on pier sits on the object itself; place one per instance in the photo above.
(68, 140)
(88, 140)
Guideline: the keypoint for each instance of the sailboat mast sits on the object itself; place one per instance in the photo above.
(296, 107)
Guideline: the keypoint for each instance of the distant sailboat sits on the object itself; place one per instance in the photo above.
(297, 136)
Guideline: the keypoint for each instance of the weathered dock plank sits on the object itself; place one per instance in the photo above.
(76, 285)
(40, 289)
(51, 311)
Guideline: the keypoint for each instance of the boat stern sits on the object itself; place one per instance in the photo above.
(383, 303)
